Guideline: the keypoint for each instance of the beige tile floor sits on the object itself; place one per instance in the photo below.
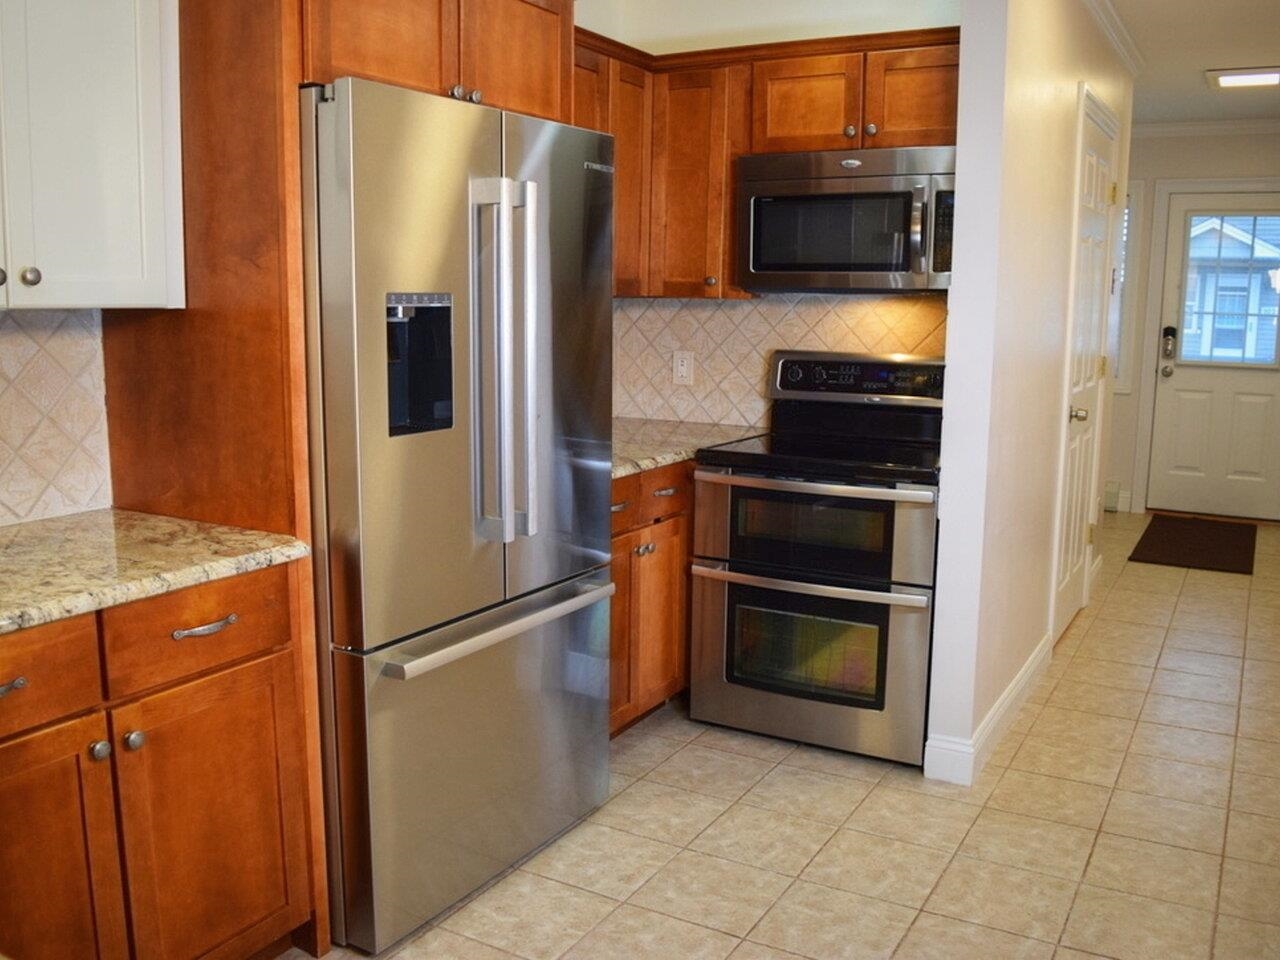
(1132, 812)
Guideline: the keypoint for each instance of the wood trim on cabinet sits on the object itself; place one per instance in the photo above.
(614, 49)
(822, 46)
(411, 28)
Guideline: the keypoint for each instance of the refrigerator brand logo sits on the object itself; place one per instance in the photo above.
(602, 167)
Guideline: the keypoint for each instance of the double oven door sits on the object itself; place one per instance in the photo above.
(812, 607)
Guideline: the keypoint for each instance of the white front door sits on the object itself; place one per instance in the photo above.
(1215, 445)
(1078, 492)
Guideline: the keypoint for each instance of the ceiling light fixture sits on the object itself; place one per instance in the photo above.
(1244, 77)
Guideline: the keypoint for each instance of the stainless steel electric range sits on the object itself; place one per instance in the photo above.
(814, 558)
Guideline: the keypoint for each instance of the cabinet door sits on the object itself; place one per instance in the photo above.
(412, 44)
(807, 103)
(213, 814)
(60, 890)
(519, 54)
(89, 145)
(590, 89)
(661, 638)
(911, 97)
(690, 166)
(631, 123)
(622, 690)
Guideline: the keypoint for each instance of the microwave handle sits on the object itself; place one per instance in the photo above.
(919, 211)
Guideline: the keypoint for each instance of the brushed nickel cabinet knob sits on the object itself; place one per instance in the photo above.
(458, 92)
(851, 131)
(134, 740)
(99, 750)
(710, 281)
(870, 129)
(476, 96)
(31, 276)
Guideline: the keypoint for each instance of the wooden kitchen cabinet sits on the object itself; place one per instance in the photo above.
(61, 894)
(631, 123)
(649, 629)
(697, 129)
(412, 44)
(807, 103)
(910, 96)
(212, 813)
(591, 89)
(519, 54)
(513, 54)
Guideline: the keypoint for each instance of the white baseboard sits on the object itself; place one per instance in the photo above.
(1125, 502)
(957, 760)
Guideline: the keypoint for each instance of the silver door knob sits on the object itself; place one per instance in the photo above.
(710, 281)
(30, 276)
(134, 740)
(99, 750)
(1166, 371)
(851, 131)
(457, 91)
(3, 277)
(476, 96)
(870, 129)
(1079, 413)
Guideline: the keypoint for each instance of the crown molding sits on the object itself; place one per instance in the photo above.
(1205, 128)
(1109, 21)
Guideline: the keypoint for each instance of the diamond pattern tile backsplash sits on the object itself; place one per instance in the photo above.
(731, 340)
(53, 429)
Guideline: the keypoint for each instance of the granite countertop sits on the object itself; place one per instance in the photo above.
(61, 567)
(644, 444)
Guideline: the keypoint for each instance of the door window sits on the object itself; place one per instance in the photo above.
(1231, 289)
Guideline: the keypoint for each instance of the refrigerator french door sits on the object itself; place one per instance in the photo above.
(459, 340)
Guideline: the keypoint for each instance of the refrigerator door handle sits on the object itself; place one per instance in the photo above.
(527, 520)
(438, 658)
(498, 192)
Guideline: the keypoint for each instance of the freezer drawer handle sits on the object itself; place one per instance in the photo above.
(818, 489)
(812, 589)
(464, 648)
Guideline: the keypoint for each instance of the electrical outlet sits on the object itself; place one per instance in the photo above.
(682, 368)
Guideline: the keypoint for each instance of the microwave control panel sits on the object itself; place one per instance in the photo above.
(856, 378)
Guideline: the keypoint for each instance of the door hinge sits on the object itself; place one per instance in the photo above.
(1102, 366)
(1114, 274)
(1093, 529)
(1114, 195)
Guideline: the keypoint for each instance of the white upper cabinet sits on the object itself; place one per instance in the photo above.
(91, 181)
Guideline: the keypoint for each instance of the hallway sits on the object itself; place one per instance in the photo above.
(1133, 812)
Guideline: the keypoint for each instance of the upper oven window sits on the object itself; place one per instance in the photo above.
(841, 233)
(813, 532)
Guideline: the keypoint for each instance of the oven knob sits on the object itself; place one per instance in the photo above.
(819, 375)
(795, 374)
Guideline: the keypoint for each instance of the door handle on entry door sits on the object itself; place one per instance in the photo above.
(1078, 414)
(527, 197)
(1166, 371)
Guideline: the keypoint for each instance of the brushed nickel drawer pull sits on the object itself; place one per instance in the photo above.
(665, 492)
(207, 629)
(17, 683)
(619, 507)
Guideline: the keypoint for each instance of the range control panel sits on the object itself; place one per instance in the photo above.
(856, 378)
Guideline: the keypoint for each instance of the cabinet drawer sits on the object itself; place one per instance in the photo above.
(143, 651)
(666, 491)
(624, 506)
(48, 672)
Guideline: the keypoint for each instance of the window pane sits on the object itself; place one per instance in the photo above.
(1231, 288)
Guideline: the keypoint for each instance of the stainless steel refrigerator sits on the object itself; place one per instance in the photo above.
(458, 285)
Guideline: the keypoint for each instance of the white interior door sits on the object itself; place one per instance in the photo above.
(1215, 445)
(1087, 329)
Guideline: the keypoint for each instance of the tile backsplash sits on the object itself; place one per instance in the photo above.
(731, 340)
(53, 430)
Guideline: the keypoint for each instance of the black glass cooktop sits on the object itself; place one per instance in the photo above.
(838, 458)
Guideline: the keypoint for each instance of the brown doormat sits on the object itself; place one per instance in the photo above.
(1195, 542)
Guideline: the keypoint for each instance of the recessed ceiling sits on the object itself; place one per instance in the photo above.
(1181, 39)
(673, 26)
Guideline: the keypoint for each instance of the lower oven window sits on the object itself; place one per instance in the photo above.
(808, 647)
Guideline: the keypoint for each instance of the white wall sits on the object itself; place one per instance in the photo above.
(1021, 62)
(671, 26)
(1198, 151)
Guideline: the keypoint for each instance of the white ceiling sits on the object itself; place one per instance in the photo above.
(1180, 39)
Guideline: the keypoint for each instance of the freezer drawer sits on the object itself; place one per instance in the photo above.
(461, 750)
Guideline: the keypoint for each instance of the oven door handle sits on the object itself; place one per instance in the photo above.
(819, 489)
(812, 589)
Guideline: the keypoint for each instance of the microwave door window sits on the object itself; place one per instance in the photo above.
(846, 233)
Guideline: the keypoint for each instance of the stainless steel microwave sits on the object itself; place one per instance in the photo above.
(846, 220)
